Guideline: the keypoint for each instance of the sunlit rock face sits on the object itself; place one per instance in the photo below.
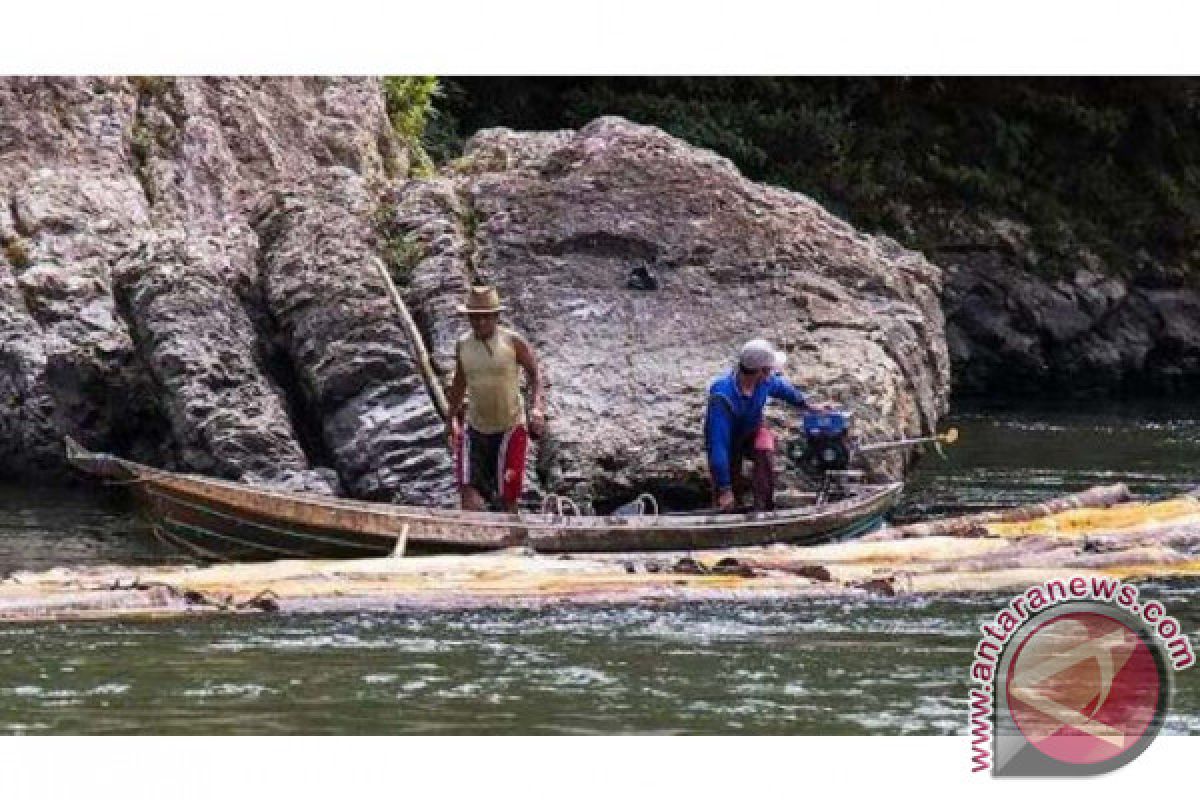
(143, 311)
(560, 221)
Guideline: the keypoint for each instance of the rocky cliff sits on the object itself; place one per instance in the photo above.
(1013, 332)
(191, 276)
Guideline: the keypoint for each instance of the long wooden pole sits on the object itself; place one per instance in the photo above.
(420, 353)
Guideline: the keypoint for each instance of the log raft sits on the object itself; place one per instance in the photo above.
(1100, 532)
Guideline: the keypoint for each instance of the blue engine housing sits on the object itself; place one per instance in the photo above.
(826, 423)
(826, 443)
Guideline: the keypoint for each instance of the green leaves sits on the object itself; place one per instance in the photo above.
(409, 100)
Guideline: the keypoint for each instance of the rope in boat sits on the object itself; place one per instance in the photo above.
(650, 500)
(560, 505)
(644, 505)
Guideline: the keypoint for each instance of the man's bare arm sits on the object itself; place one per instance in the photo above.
(528, 362)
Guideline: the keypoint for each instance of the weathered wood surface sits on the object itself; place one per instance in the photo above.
(214, 518)
(1132, 541)
(1095, 497)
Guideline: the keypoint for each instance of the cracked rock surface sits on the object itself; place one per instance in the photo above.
(324, 289)
(143, 312)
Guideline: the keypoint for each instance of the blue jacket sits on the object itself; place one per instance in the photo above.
(731, 415)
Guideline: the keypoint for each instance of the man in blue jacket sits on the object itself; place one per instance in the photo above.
(734, 428)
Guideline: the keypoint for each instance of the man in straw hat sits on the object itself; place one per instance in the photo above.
(489, 454)
(734, 428)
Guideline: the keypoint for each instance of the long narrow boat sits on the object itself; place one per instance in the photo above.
(229, 521)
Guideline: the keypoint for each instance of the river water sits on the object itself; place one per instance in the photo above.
(881, 666)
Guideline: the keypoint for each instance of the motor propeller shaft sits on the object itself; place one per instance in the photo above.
(949, 437)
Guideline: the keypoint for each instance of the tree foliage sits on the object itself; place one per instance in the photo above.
(1105, 166)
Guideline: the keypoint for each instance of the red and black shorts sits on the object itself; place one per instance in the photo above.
(492, 463)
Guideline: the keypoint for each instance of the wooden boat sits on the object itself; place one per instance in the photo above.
(229, 521)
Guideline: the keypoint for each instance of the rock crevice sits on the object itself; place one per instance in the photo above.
(321, 273)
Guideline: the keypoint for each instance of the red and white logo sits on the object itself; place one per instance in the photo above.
(1072, 677)
(1083, 688)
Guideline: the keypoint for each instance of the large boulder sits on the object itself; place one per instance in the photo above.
(559, 221)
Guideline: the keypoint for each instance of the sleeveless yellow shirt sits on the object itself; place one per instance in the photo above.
(493, 383)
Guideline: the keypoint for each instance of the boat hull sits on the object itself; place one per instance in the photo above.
(215, 519)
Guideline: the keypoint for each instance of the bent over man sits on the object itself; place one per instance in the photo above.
(489, 454)
(734, 427)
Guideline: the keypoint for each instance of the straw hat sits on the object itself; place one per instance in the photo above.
(482, 300)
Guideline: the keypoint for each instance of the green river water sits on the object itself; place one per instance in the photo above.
(881, 666)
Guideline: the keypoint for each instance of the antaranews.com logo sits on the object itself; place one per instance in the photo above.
(1072, 677)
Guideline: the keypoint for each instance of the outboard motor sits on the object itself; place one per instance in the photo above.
(826, 445)
(826, 449)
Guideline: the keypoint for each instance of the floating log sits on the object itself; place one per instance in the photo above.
(430, 582)
(1082, 521)
(1096, 497)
